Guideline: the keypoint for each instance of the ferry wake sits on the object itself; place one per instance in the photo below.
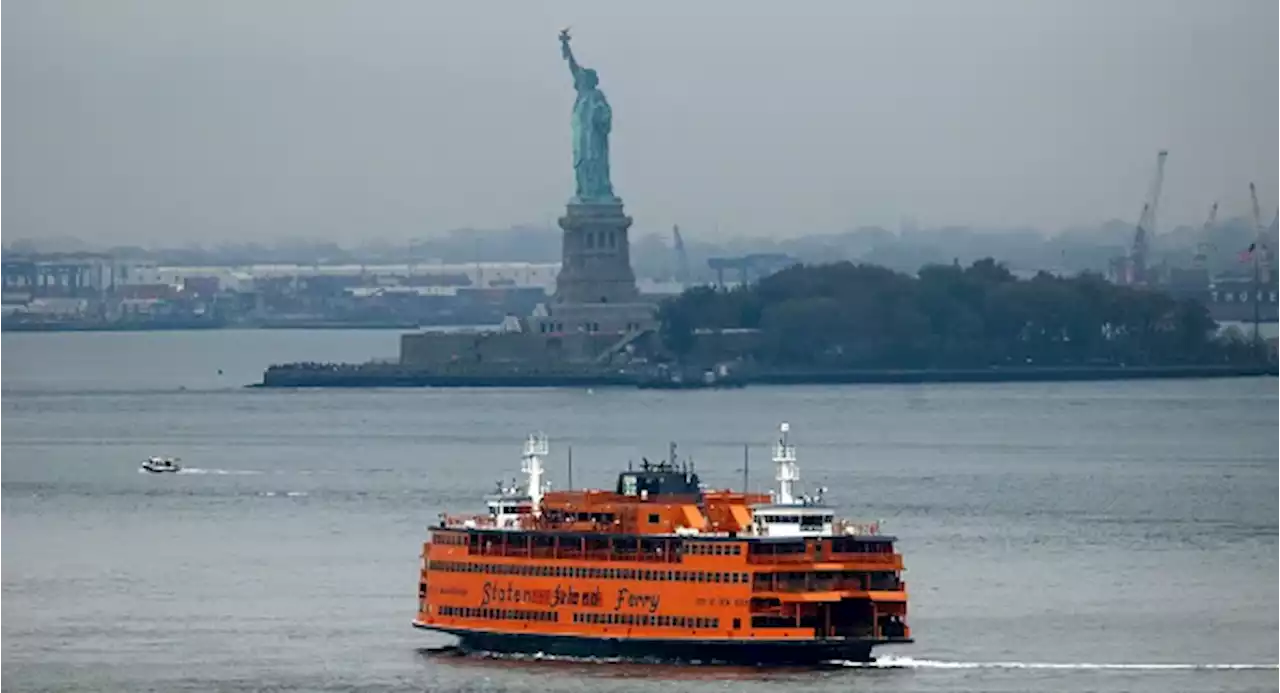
(663, 568)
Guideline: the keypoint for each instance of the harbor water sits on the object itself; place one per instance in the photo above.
(1065, 537)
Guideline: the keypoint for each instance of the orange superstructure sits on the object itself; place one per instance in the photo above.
(660, 567)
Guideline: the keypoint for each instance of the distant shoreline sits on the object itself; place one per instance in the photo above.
(198, 327)
(392, 375)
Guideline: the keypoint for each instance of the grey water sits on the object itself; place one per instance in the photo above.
(1065, 537)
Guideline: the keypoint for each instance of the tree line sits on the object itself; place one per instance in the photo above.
(846, 315)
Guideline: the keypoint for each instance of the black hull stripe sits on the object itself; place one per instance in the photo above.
(729, 651)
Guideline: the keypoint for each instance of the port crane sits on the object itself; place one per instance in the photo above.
(682, 258)
(1205, 245)
(1139, 253)
(1261, 270)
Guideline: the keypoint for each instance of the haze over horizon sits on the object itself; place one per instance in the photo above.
(145, 121)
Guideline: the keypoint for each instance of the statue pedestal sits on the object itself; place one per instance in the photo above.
(596, 255)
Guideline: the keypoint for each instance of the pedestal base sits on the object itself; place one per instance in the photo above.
(596, 255)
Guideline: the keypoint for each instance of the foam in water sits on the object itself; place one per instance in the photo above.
(221, 472)
(896, 662)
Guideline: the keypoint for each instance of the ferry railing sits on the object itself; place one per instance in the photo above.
(776, 558)
(816, 584)
(885, 559)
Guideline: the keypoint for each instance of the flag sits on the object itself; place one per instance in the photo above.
(1248, 254)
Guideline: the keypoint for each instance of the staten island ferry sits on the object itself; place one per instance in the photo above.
(663, 568)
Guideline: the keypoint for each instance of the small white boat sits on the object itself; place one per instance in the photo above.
(157, 465)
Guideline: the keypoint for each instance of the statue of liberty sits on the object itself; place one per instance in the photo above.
(592, 121)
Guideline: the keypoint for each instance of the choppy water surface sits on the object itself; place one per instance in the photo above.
(1067, 537)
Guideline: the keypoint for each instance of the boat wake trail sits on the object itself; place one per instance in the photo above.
(220, 472)
(894, 662)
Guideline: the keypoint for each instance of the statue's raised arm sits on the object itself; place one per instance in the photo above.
(567, 53)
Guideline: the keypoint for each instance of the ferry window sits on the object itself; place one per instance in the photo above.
(715, 577)
(653, 518)
(737, 623)
(742, 577)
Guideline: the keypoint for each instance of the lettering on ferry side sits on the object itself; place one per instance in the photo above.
(494, 593)
(635, 601)
(573, 597)
(452, 591)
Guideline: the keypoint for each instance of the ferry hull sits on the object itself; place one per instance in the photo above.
(750, 652)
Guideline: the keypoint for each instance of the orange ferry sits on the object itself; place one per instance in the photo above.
(663, 568)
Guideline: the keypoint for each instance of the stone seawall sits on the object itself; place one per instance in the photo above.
(394, 375)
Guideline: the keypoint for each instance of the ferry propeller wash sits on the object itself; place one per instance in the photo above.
(663, 568)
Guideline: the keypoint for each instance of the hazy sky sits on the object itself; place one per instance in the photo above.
(177, 120)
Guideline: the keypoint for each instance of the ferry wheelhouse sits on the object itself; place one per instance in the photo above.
(662, 567)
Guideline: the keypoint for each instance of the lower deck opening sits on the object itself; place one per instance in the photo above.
(846, 618)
